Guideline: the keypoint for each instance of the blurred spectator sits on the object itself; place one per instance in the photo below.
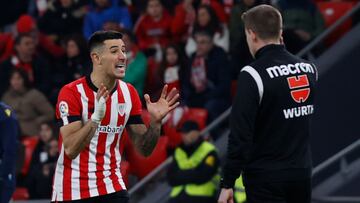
(25, 59)
(41, 176)
(153, 29)
(207, 81)
(26, 25)
(8, 149)
(76, 62)
(193, 172)
(62, 18)
(136, 63)
(207, 20)
(172, 67)
(302, 23)
(40, 154)
(30, 105)
(184, 18)
(45, 45)
(239, 50)
(106, 16)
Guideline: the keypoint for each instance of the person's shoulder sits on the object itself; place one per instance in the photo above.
(73, 85)
(6, 112)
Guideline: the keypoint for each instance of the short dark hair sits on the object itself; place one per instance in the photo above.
(24, 75)
(264, 20)
(206, 33)
(20, 36)
(98, 38)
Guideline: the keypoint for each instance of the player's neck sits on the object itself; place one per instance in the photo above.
(97, 79)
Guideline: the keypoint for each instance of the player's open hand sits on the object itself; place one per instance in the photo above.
(166, 103)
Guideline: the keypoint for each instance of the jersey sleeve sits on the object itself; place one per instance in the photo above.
(68, 107)
(136, 110)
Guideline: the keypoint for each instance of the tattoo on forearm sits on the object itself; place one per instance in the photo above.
(150, 139)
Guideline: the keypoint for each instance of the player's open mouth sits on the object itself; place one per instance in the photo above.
(120, 66)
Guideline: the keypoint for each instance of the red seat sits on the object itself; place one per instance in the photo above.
(20, 193)
(29, 144)
(332, 11)
(140, 166)
(171, 129)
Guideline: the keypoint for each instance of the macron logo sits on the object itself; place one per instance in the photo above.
(289, 69)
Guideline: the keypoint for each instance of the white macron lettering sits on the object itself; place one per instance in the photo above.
(289, 69)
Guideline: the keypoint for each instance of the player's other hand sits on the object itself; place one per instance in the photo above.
(102, 96)
(167, 102)
(226, 196)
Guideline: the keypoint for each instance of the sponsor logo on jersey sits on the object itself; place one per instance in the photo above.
(63, 109)
(295, 82)
(298, 111)
(110, 129)
(289, 69)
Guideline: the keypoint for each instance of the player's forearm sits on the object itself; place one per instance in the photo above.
(150, 139)
(78, 140)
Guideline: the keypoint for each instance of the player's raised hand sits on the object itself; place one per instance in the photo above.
(166, 103)
(102, 96)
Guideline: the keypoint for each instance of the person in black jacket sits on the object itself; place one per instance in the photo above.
(8, 152)
(270, 118)
(207, 80)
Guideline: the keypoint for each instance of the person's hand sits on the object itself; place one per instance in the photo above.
(166, 103)
(226, 196)
(100, 104)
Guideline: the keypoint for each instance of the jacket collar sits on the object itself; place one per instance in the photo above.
(268, 48)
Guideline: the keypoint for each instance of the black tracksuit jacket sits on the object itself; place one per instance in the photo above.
(270, 119)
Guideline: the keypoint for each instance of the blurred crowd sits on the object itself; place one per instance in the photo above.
(197, 46)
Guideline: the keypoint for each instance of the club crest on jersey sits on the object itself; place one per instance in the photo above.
(63, 109)
(121, 109)
(296, 82)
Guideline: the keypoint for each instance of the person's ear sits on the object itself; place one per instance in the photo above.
(95, 57)
(253, 35)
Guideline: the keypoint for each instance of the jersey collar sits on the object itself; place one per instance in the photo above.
(95, 89)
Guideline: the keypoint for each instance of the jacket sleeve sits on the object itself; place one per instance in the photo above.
(9, 142)
(242, 123)
(201, 174)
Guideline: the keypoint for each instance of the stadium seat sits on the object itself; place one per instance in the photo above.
(140, 166)
(171, 127)
(20, 193)
(331, 12)
(29, 144)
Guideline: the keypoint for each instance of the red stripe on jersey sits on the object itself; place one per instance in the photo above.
(84, 170)
(100, 152)
(67, 178)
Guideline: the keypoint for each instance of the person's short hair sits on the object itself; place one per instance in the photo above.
(19, 37)
(24, 75)
(264, 20)
(204, 32)
(97, 38)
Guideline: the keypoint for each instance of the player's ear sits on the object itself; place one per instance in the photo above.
(95, 58)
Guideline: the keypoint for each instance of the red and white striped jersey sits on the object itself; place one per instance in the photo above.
(96, 170)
